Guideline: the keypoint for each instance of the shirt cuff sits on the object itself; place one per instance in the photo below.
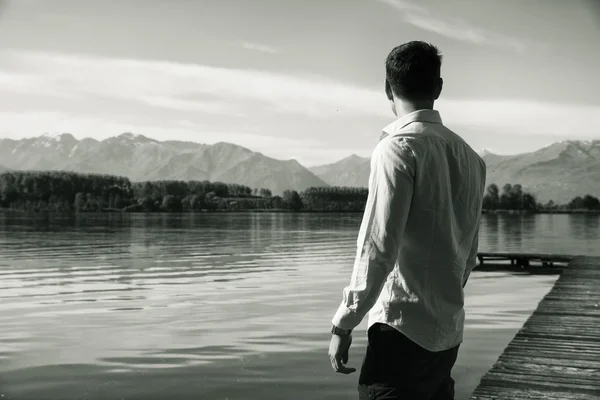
(346, 319)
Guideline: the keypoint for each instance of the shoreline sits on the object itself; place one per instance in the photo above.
(229, 211)
(577, 211)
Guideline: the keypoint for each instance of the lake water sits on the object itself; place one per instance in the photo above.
(222, 306)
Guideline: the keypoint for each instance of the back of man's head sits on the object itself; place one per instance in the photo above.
(413, 72)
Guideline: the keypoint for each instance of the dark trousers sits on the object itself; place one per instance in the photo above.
(396, 368)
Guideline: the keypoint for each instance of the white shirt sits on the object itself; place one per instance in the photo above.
(418, 239)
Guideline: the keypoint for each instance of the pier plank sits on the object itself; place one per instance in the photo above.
(556, 354)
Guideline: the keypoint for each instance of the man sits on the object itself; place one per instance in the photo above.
(417, 243)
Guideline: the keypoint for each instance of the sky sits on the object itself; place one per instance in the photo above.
(296, 79)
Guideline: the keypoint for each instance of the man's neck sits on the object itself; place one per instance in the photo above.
(404, 107)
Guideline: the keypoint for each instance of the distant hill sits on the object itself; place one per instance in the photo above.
(141, 158)
(490, 157)
(350, 171)
(557, 172)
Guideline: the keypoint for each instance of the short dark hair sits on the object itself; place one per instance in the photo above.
(413, 71)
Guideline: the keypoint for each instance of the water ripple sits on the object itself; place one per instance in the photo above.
(155, 292)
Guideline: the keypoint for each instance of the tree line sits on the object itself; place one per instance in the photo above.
(513, 197)
(60, 191)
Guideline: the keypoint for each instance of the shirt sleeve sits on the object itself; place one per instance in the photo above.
(391, 184)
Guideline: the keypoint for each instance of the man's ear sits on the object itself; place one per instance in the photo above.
(388, 90)
(439, 88)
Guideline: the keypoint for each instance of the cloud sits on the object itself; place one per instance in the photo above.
(454, 28)
(21, 83)
(268, 103)
(524, 117)
(211, 107)
(259, 47)
(191, 87)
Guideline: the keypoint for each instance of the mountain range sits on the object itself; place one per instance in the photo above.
(556, 172)
(142, 159)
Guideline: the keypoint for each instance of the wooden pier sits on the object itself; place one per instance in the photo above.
(524, 260)
(556, 354)
(531, 263)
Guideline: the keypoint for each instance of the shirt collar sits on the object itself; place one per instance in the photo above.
(432, 116)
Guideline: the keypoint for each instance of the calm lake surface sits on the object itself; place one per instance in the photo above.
(222, 306)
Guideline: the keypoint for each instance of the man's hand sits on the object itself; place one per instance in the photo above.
(338, 353)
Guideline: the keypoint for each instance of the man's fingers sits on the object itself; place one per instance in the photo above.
(339, 367)
(346, 370)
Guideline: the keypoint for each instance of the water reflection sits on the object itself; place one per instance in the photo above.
(490, 229)
(98, 298)
(511, 230)
(585, 227)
